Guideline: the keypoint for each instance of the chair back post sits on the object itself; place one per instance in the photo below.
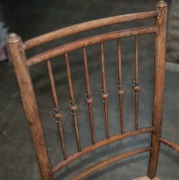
(29, 102)
(159, 75)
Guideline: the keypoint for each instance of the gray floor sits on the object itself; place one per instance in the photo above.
(17, 158)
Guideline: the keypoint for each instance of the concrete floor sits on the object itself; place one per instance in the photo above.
(17, 158)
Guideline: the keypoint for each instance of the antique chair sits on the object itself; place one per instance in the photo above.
(22, 64)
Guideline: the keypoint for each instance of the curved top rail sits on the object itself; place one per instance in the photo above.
(87, 26)
(88, 41)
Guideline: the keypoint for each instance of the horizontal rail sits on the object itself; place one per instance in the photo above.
(100, 144)
(89, 41)
(87, 26)
(170, 144)
(110, 161)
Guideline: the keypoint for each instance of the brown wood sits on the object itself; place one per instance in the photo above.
(101, 144)
(111, 160)
(57, 112)
(170, 144)
(30, 106)
(17, 51)
(105, 93)
(159, 73)
(120, 87)
(87, 26)
(73, 106)
(89, 98)
(89, 41)
(136, 82)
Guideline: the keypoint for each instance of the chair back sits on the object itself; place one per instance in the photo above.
(22, 64)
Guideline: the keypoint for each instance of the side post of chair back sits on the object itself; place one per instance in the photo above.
(28, 97)
(159, 74)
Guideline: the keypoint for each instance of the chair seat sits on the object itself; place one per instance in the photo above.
(146, 178)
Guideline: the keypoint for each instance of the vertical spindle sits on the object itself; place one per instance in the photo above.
(73, 106)
(120, 86)
(136, 86)
(89, 98)
(105, 93)
(57, 112)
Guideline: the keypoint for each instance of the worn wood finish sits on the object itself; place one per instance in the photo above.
(136, 81)
(17, 50)
(101, 144)
(105, 94)
(89, 41)
(111, 160)
(170, 144)
(73, 106)
(87, 26)
(120, 87)
(159, 73)
(30, 106)
(89, 98)
(57, 112)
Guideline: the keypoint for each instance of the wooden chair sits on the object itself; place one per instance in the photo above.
(22, 64)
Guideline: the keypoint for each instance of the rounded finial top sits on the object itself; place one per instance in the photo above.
(13, 37)
(162, 4)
